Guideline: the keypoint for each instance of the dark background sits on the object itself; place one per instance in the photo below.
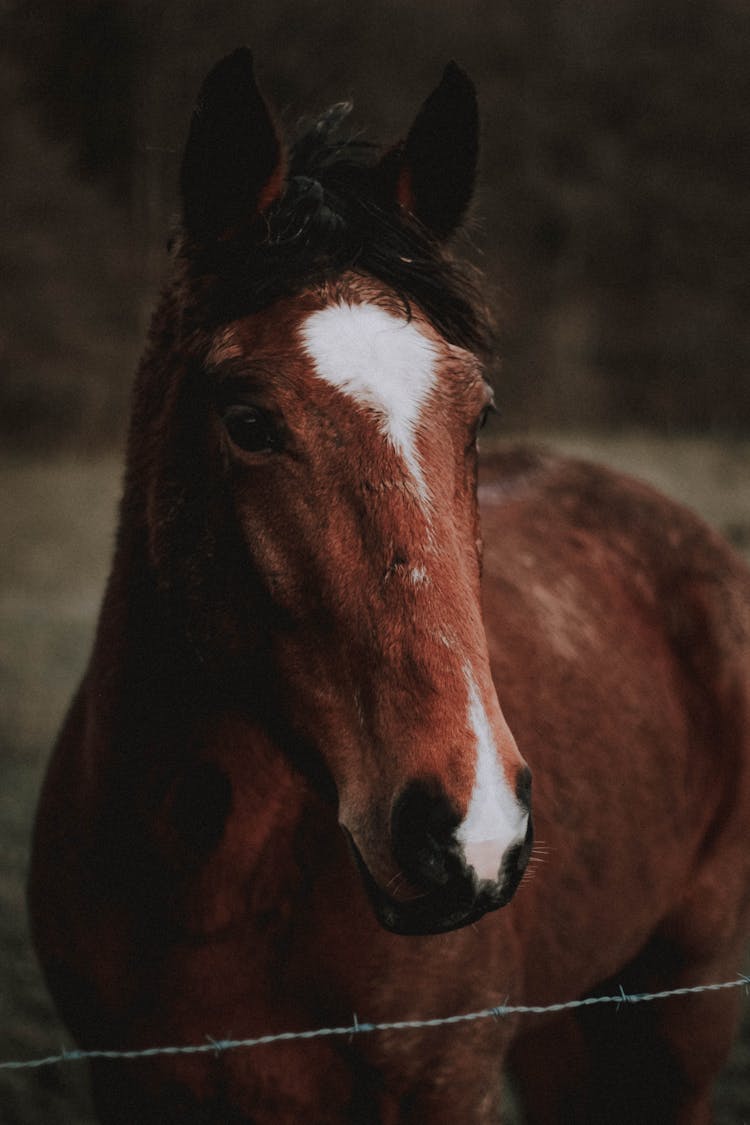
(612, 218)
(613, 215)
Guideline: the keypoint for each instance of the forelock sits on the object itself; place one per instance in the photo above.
(334, 218)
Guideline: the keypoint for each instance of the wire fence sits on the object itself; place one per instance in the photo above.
(499, 1011)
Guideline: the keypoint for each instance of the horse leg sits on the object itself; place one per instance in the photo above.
(467, 1098)
(653, 1062)
(656, 1062)
(463, 1085)
(549, 1065)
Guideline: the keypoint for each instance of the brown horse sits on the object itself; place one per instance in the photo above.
(288, 752)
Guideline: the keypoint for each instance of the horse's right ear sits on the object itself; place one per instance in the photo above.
(233, 167)
(431, 174)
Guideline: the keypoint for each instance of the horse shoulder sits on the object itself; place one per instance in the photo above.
(621, 585)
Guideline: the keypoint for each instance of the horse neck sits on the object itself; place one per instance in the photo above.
(161, 724)
(139, 666)
(143, 665)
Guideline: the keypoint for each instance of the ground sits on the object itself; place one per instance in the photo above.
(56, 526)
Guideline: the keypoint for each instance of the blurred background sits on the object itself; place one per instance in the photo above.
(612, 220)
(613, 217)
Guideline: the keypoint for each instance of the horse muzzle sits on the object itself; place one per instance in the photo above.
(441, 886)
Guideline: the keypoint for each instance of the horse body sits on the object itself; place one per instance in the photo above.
(292, 643)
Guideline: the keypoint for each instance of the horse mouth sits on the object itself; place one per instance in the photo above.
(465, 899)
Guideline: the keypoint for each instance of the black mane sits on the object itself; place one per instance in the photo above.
(335, 215)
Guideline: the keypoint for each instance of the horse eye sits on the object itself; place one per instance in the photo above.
(251, 428)
(481, 422)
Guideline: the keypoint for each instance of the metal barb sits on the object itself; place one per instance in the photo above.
(218, 1046)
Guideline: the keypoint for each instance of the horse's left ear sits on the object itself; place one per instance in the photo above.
(432, 173)
(233, 167)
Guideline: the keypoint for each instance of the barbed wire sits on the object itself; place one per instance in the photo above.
(499, 1011)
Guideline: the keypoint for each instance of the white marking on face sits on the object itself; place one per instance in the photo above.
(494, 820)
(381, 361)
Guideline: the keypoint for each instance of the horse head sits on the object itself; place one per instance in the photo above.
(308, 425)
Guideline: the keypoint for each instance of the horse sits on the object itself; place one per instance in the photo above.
(296, 781)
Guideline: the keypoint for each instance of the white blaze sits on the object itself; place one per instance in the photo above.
(494, 820)
(382, 362)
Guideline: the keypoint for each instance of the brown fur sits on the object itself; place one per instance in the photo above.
(264, 669)
(621, 660)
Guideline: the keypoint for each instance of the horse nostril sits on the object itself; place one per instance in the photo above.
(523, 788)
(516, 861)
(423, 823)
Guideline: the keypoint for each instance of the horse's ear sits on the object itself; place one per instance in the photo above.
(432, 173)
(233, 167)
